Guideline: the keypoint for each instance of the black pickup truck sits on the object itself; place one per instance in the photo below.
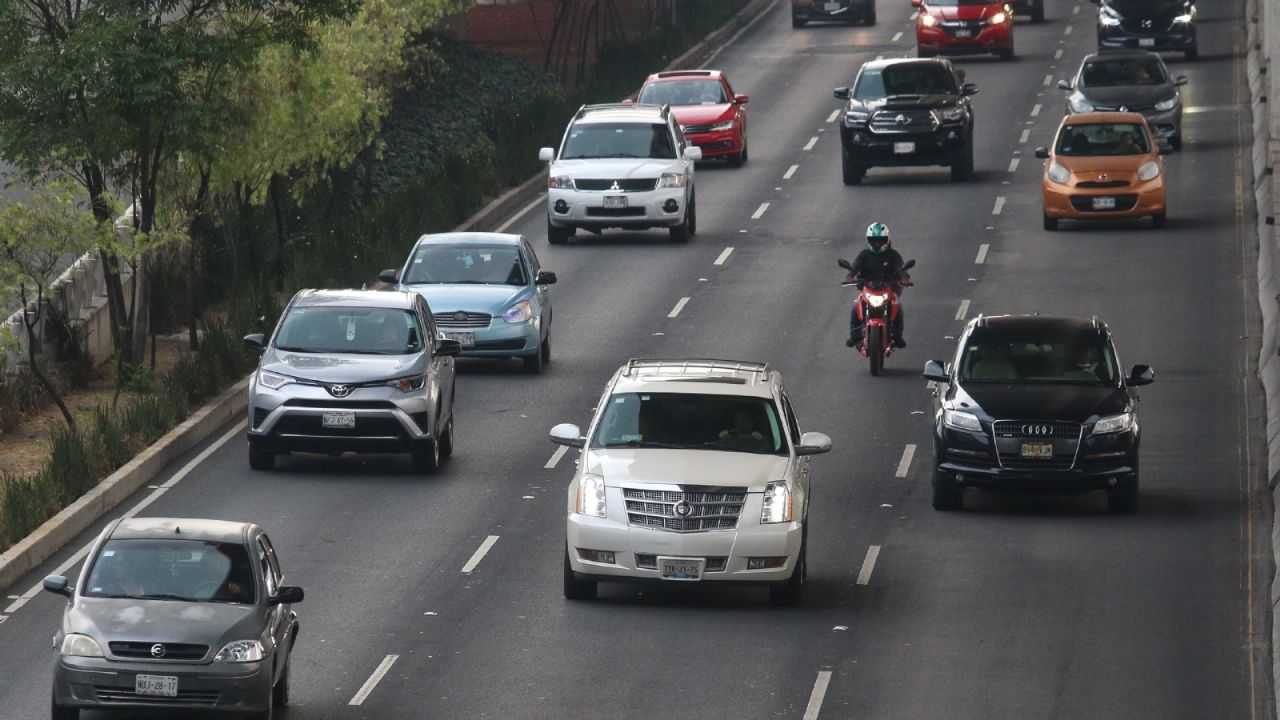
(907, 112)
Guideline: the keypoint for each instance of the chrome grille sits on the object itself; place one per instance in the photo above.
(688, 129)
(462, 319)
(1057, 429)
(711, 509)
(1010, 434)
(903, 121)
(172, 651)
(623, 185)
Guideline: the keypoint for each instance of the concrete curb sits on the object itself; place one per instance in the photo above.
(497, 211)
(60, 529)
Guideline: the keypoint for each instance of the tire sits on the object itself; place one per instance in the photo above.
(533, 363)
(446, 441)
(962, 169)
(680, 233)
(1175, 141)
(1192, 53)
(850, 173)
(58, 712)
(259, 458)
(575, 589)
(797, 22)
(1050, 223)
(875, 350)
(692, 218)
(280, 693)
(427, 459)
(947, 496)
(545, 350)
(1159, 221)
(1037, 13)
(557, 235)
(1123, 501)
(741, 158)
(870, 18)
(1005, 55)
(791, 593)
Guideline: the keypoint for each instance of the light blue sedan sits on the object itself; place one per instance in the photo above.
(486, 290)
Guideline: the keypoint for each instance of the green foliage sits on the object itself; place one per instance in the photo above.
(20, 395)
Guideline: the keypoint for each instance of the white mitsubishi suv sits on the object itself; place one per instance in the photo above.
(621, 166)
(692, 471)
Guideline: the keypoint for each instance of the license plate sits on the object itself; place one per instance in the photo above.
(465, 339)
(681, 568)
(831, 6)
(1037, 451)
(615, 201)
(904, 148)
(1104, 203)
(162, 685)
(1146, 42)
(964, 33)
(336, 420)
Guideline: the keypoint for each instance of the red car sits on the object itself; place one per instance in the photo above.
(964, 27)
(711, 116)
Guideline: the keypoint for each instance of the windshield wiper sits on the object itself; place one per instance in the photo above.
(162, 596)
(732, 448)
(286, 348)
(647, 444)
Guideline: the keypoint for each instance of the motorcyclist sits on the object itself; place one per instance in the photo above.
(879, 262)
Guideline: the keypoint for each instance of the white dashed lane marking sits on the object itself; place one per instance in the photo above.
(809, 145)
(479, 554)
(832, 117)
(1048, 79)
(1026, 133)
(1057, 54)
(1035, 110)
(760, 211)
(897, 36)
(679, 306)
(555, 457)
(982, 253)
(999, 206)
(963, 310)
(904, 465)
(1013, 164)
(814, 707)
(868, 565)
(1068, 30)
(379, 673)
(791, 171)
(724, 256)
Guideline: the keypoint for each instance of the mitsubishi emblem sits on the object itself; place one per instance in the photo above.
(615, 186)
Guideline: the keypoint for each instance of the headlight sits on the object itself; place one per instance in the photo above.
(1169, 104)
(1185, 19)
(1115, 423)
(272, 380)
(240, 651)
(961, 420)
(722, 126)
(671, 180)
(591, 495)
(561, 182)
(954, 114)
(518, 313)
(1079, 104)
(1108, 17)
(928, 20)
(408, 384)
(856, 116)
(1058, 174)
(76, 645)
(1150, 170)
(777, 504)
(876, 301)
(998, 18)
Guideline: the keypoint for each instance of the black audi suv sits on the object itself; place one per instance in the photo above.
(1036, 404)
(1157, 25)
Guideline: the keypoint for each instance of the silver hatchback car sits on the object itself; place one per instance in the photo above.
(353, 371)
(176, 614)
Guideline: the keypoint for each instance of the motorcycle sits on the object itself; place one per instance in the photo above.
(877, 308)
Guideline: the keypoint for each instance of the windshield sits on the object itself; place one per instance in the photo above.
(1103, 139)
(183, 570)
(1081, 359)
(619, 140)
(467, 265)
(1148, 8)
(691, 421)
(684, 92)
(953, 3)
(364, 331)
(906, 79)
(1123, 72)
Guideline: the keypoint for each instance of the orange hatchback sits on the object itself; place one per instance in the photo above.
(1103, 165)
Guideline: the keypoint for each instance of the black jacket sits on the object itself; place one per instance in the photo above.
(878, 266)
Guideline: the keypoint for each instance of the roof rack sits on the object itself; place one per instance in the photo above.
(663, 109)
(980, 321)
(660, 364)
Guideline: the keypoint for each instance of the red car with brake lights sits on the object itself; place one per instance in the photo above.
(964, 27)
(711, 116)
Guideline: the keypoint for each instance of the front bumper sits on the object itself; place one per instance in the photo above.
(1075, 203)
(724, 143)
(842, 10)
(987, 39)
(290, 419)
(500, 339)
(944, 146)
(585, 209)
(1174, 38)
(1100, 462)
(89, 683)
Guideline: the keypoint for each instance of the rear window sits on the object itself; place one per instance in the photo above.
(618, 140)
(691, 421)
(1070, 359)
(1103, 139)
(906, 79)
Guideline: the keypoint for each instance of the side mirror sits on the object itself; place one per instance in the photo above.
(568, 434)
(845, 264)
(256, 342)
(1180, 80)
(741, 99)
(693, 153)
(813, 443)
(545, 277)
(547, 154)
(1042, 153)
(447, 347)
(286, 595)
(917, 3)
(390, 277)
(909, 264)
(968, 89)
(1141, 375)
(933, 371)
(57, 584)
(841, 93)
(1064, 85)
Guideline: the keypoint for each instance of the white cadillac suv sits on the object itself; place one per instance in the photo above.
(621, 166)
(691, 471)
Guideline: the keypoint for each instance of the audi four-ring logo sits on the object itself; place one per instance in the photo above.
(157, 651)
(1037, 430)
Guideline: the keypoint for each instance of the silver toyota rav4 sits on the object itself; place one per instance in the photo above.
(353, 371)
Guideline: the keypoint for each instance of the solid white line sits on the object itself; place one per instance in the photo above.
(150, 498)
(723, 256)
(1068, 30)
(679, 306)
(834, 114)
(503, 227)
(1013, 164)
(963, 311)
(809, 145)
(378, 673)
(555, 457)
(479, 553)
(791, 171)
(999, 206)
(760, 211)
(1057, 54)
(982, 253)
(815, 697)
(1048, 79)
(868, 565)
(897, 36)
(1026, 133)
(1035, 110)
(908, 453)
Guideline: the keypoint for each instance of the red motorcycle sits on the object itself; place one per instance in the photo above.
(877, 308)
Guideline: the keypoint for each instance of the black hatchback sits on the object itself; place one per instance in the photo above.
(1036, 404)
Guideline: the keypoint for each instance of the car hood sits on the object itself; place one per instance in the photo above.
(491, 299)
(342, 368)
(965, 12)
(626, 466)
(619, 168)
(906, 102)
(700, 114)
(1113, 165)
(200, 623)
(1135, 9)
(1127, 95)
(1072, 403)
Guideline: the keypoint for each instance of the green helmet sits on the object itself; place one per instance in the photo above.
(877, 236)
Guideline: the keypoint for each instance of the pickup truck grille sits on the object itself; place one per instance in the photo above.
(662, 509)
(903, 121)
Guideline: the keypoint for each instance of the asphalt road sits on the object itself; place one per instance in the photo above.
(1016, 608)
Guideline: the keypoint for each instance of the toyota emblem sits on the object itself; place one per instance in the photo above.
(339, 391)
(157, 651)
(1030, 430)
(682, 509)
(902, 120)
(460, 316)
